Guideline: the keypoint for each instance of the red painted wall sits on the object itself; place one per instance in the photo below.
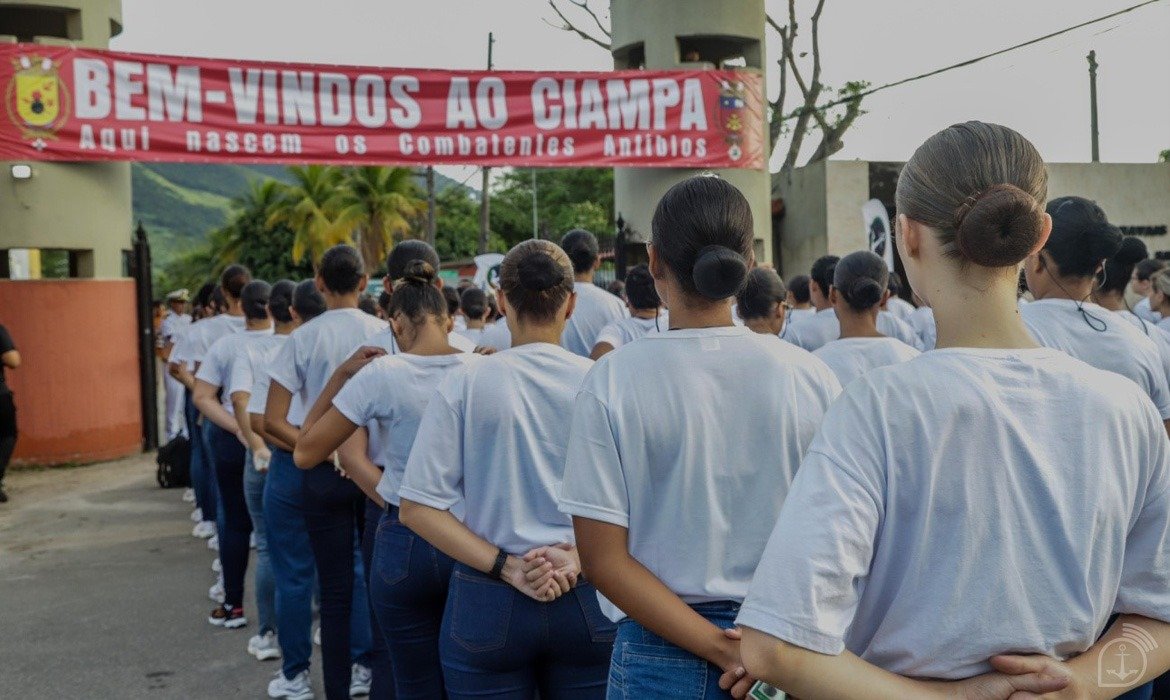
(77, 394)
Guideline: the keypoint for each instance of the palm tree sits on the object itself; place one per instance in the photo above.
(250, 213)
(378, 205)
(309, 209)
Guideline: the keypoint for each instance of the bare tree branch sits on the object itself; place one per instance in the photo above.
(568, 25)
(584, 5)
(831, 141)
(776, 120)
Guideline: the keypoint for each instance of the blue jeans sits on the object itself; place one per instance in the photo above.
(202, 476)
(408, 591)
(645, 665)
(264, 582)
(205, 434)
(497, 642)
(382, 683)
(236, 529)
(292, 560)
(335, 515)
(1145, 692)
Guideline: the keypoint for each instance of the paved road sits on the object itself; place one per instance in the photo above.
(103, 593)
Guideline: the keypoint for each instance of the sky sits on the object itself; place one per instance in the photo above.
(1041, 91)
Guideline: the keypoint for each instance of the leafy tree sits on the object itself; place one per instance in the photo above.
(1164, 156)
(565, 199)
(457, 225)
(247, 239)
(309, 208)
(378, 205)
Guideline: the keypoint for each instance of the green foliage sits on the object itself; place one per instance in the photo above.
(457, 225)
(1164, 156)
(379, 206)
(278, 228)
(566, 198)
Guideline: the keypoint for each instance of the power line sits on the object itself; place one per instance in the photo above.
(963, 64)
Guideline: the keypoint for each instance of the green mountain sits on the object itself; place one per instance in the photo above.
(181, 203)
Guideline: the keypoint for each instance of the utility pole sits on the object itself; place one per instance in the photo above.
(484, 204)
(431, 205)
(535, 233)
(1093, 105)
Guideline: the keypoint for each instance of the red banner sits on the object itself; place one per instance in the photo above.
(77, 104)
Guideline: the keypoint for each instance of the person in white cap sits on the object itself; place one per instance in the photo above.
(175, 320)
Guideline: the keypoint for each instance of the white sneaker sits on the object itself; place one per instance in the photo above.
(360, 678)
(317, 636)
(213, 543)
(216, 566)
(217, 593)
(197, 515)
(189, 495)
(264, 646)
(296, 689)
(203, 529)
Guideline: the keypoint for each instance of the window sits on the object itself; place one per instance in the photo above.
(25, 23)
(45, 263)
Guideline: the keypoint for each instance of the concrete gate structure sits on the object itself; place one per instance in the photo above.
(78, 391)
(688, 34)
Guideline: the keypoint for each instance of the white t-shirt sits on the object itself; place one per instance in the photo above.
(969, 503)
(925, 327)
(689, 439)
(894, 327)
(494, 437)
(183, 340)
(497, 335)
(899, 308)
(386, 340)
(798, 315)
(849, 358)
(471, 334)
(391, 393)
(250, 370)
(1117, 347)
(172, 324)
(1145, 312)
(217, 366)
(206, 332)
(824, 327)
(1160, 337)
(313, 352)
(595, 309)
(627, 330)
(813, 331)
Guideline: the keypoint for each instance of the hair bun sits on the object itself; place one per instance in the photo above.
(540, 273)
(719, 272)
(999, 226)
(419, 272)
(1133, 250)
(864, 293)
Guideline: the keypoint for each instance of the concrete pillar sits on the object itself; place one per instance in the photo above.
(658, 35)
(81, 207)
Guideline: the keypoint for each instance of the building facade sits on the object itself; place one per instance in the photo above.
(822, 203)
(65, 233)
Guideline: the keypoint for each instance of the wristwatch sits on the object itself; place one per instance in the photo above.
(498, 568)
